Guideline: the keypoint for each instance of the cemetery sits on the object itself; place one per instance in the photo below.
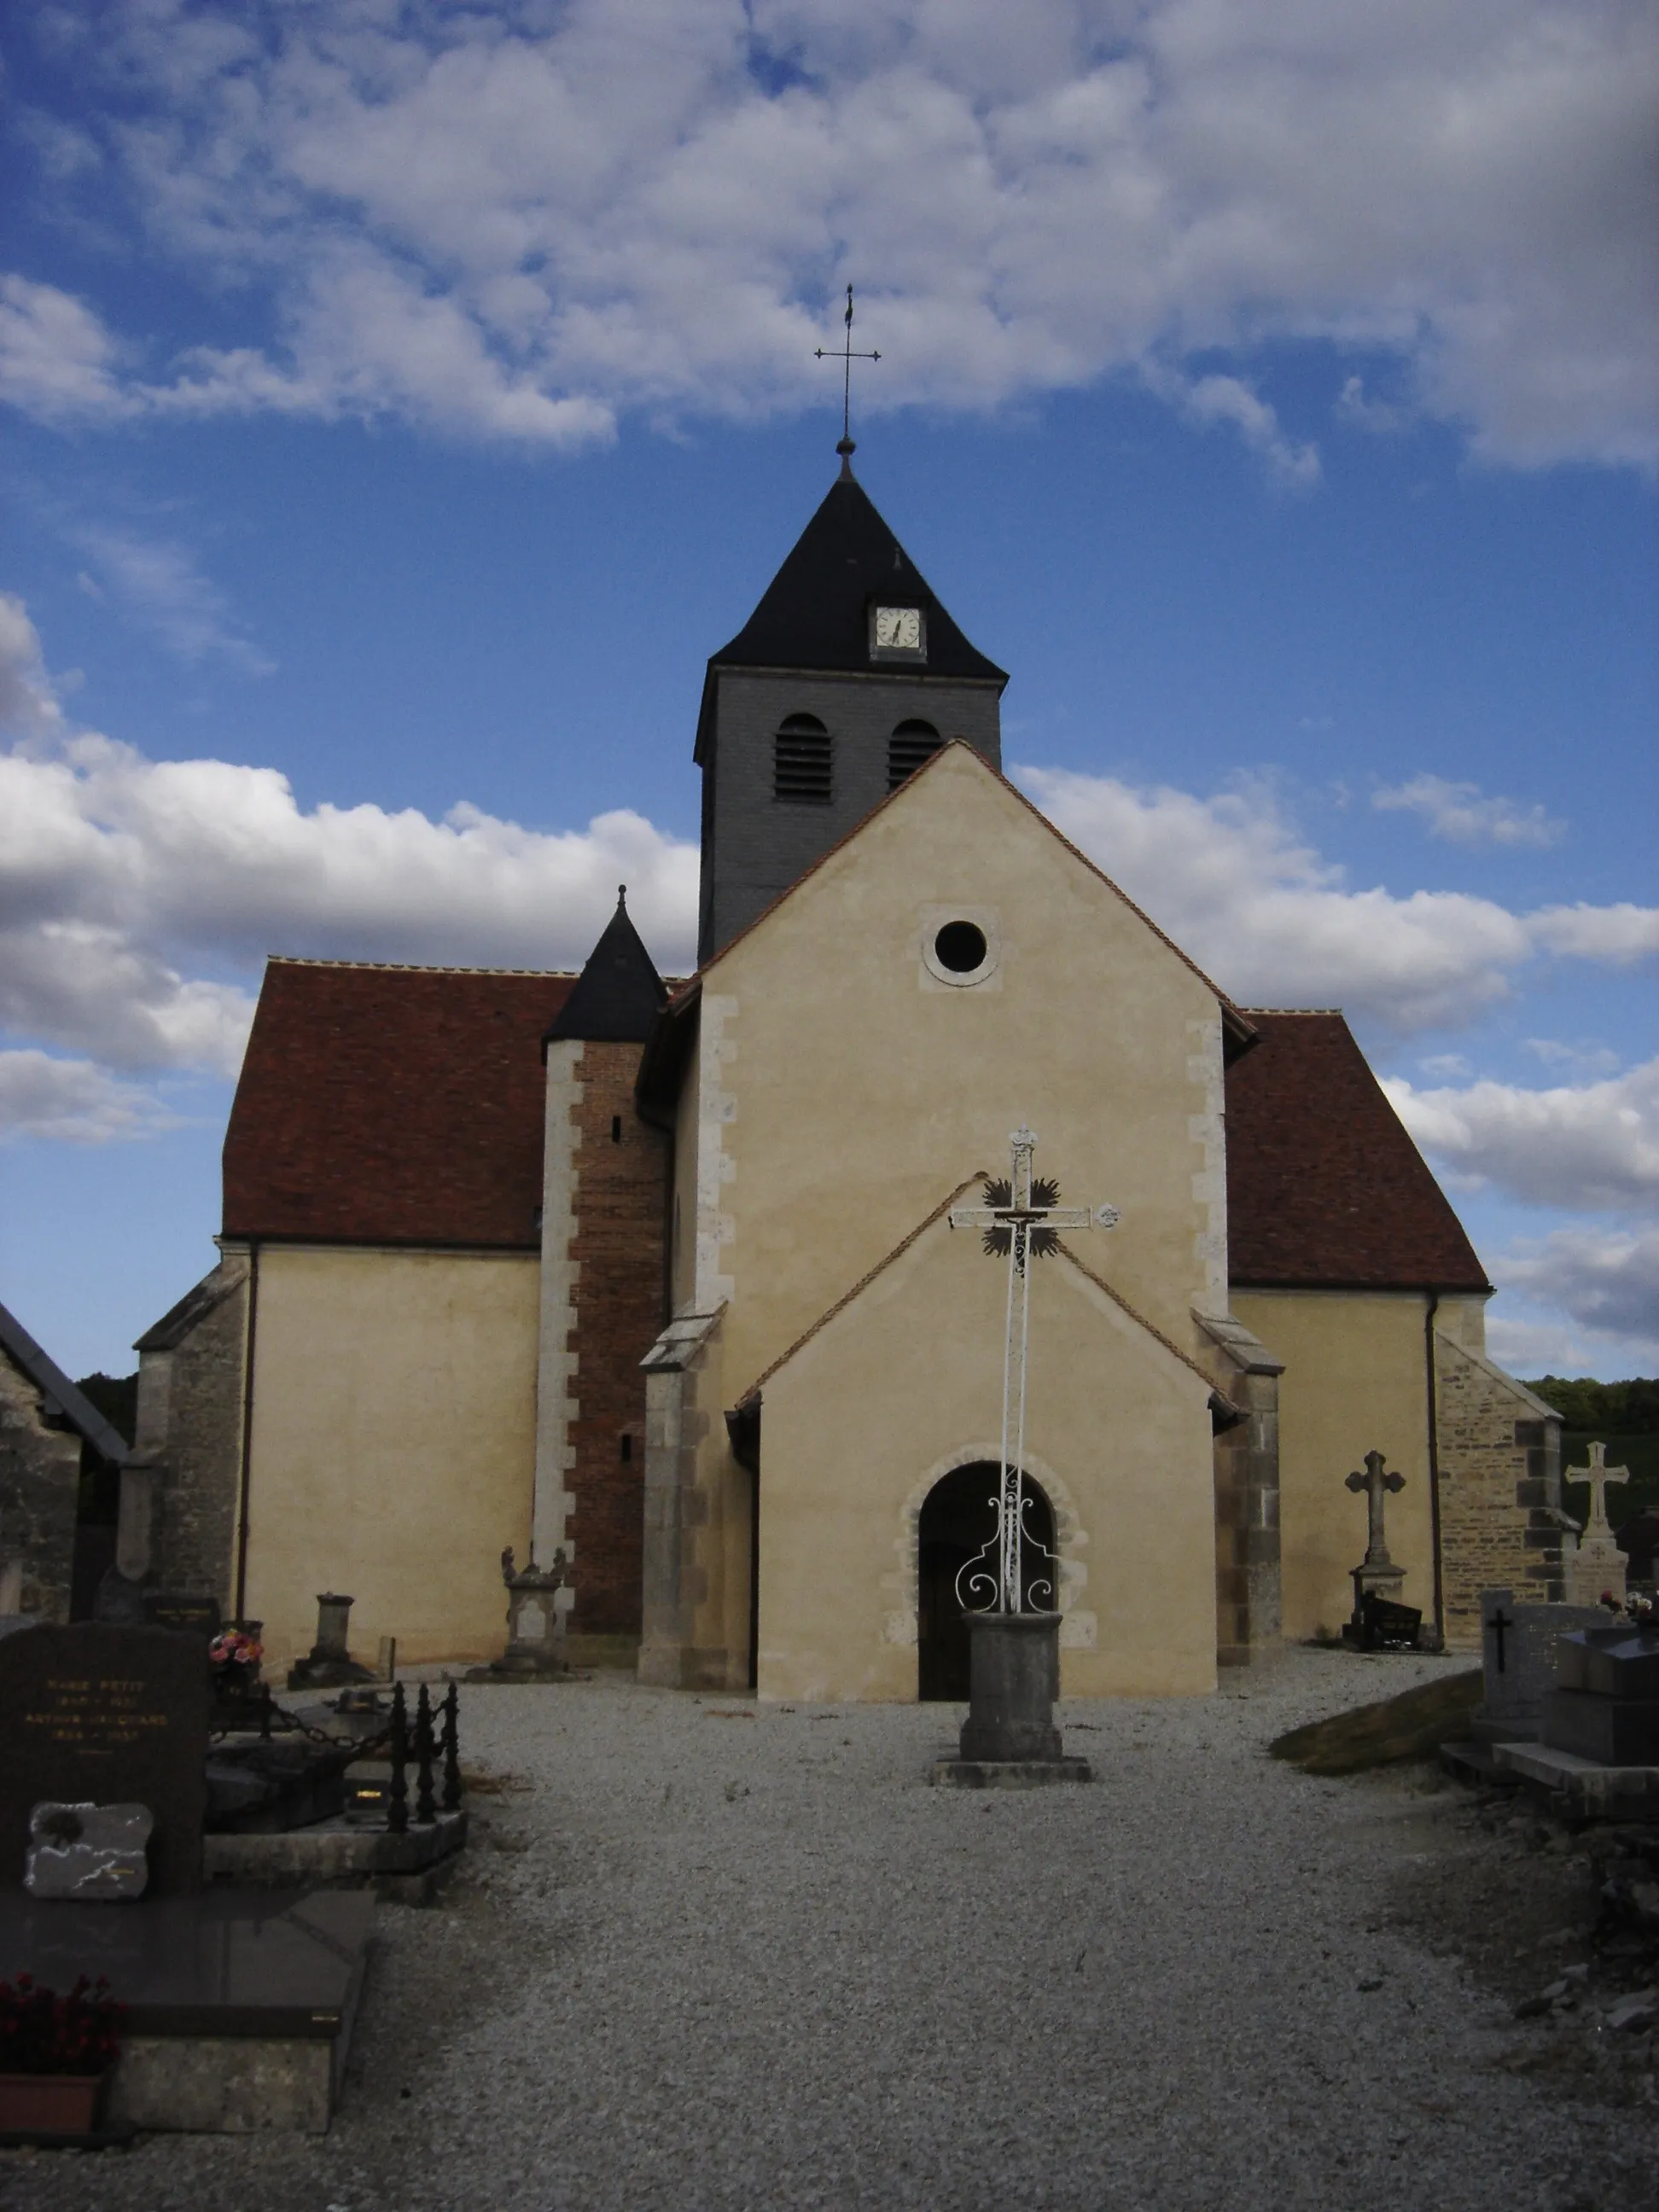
(206, 1944)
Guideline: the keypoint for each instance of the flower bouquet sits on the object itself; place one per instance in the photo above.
(235, 1653)
(57, 2055)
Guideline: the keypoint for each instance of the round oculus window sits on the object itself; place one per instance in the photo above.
(960, 947)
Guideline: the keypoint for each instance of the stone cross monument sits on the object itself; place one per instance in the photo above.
(1597, 1567)
(1009, 1735)
(1376, 1575)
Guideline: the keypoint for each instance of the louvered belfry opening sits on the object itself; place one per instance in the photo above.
(910, 744)
(802, 762)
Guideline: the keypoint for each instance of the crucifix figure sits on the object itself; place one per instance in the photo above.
(846, 354)
(1022, 1219)
(1374, 1483)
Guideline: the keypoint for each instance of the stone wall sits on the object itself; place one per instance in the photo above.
(191, 1371)
(1501, 1522)
(619, 1296)
(1246, 1450)
(39, 1484)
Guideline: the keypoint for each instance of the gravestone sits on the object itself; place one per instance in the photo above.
(1596, 1568)
(1639, 1539)
(89, 1851)
(99, 1715)
(1518, 1656)
(328, 1664)
(1605, 1703)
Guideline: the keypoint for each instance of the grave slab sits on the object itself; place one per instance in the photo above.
(240, 2004)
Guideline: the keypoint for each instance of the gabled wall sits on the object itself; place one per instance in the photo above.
(840, 1083)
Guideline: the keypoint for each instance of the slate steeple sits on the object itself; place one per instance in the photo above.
(618, 994)
(848, 674)
(815, 612)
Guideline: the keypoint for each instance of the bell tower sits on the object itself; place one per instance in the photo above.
(848, 675)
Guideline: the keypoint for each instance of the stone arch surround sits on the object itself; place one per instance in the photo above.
(1077, 1624)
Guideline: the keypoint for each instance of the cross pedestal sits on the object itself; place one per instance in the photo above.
(535, 1629)
(1009, 1740)
(1596, 1568)
(1379, 1618)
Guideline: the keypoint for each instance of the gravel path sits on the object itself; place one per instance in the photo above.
(704, 1954)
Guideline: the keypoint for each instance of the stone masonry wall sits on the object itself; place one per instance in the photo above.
(39, 1482)
(1246, 1458)
(1501, 1522)
(190, 1374)
(621, 1199)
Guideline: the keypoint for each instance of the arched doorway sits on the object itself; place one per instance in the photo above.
(958, 1520)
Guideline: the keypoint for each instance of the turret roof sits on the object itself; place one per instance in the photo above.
(619, 994)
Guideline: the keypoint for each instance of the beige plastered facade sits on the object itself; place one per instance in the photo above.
(392, 1445)
(839, 1090)
(1356, 1380)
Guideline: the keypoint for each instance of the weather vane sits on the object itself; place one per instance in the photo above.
(846, 354)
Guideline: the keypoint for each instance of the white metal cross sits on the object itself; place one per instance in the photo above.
(1598, 1474)
(1022, 1218)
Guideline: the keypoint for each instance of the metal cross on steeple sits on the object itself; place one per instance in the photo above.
(1022, 1218)
(846, 354)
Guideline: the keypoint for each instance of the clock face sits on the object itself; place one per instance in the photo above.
(899, 629)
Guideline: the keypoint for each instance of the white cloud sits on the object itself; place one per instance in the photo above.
(1459, 813)
(1211, 400)
(160, 584)
(1591, 1144)
(1236, 886)
(29, 703)
(57, 360)
(1381, 416)
(1622, 935)
(73, 1102)
(1580, 1059)
(520, 222)
(123, 878)
(1607, 1279)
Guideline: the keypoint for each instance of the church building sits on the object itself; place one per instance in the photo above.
(657, 1278)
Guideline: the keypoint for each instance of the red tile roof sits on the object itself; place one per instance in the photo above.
(391, 1106)
(1325, 1189)
(403, 1106)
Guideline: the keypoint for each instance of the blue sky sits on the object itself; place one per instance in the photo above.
(402, 406)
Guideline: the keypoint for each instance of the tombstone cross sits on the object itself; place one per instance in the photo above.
(1020, 1218)
(1598, 1474)
(1500, 1623)
(1374, 1482)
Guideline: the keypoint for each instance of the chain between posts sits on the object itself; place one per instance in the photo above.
(430, 1742)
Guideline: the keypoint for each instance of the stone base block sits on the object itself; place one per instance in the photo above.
(342, 1855)
(524, 1670)
(328, 1673)
(1008, 1773)
(1614, 1731)
(232, 2085)
(1587, 1787)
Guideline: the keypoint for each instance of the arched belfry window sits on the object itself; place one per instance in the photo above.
(910, 744)
(802, 764)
